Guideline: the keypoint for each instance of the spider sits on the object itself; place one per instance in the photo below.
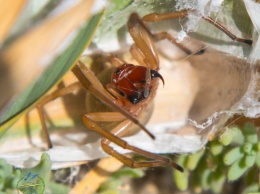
(131, 89)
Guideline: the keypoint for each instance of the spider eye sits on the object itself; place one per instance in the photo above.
(118, 71)
(134, 99)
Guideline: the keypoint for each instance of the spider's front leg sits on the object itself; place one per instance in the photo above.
(90, 121)
(143, 49)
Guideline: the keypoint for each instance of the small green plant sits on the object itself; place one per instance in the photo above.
(234, 154)
(25, 180)
(36, 179)
(8, 177)
(30, 180)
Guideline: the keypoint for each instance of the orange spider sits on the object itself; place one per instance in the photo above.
(131, 90)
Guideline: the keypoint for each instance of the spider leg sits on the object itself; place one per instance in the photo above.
(89, 121)
(138, 55)
(143, 40)
(154, 17)
(44, 127)
(88, 80)
(116, 62)
(119, 97)
(129, 161)
(227, 32)
(142, 36)
(143, 50)
(40, 107)
(166, 35)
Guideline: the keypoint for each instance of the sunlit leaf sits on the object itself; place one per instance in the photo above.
(8, 14)
(58, 67)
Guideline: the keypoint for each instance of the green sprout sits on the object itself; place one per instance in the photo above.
(8, 177)
(29, 180)
(235, 154)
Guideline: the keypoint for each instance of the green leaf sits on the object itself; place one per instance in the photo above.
(236, 170)
(205, 179)
(258, 159)
(8, 176)
(216, 148)
(232, 135)
(257, 147)
(247, 147)
(53, 73)
(233, 155)
(109, 192)
(36, 178)
(181, 178)
(249, 131)
(128, 172)
(226, 137)
(111, 184)
(218, 180)
(58, 188)
(193, 160)
(249, 160)
(252, 189)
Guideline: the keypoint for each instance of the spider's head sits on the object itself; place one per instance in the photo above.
(132, 81)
